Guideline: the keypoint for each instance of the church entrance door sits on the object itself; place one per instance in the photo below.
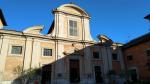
(74, 71)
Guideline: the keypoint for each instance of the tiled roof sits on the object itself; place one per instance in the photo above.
(137, 41)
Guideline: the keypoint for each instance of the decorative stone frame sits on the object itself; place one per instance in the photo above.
(10, 49)
(68, 26)
(42, 54)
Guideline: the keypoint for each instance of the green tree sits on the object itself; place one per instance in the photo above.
(26, 76)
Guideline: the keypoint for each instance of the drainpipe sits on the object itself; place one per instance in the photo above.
(24, 51)
(31, 52)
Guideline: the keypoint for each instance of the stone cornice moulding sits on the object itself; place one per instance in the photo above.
(61, 9)
(65, 13)
(29, 35)
(34, 30)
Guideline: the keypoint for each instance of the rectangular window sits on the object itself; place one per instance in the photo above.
(114, 56)
(16, 50)
(72, 28)
(96, 55)
(47, 52)
(148, 52)
(130, 58)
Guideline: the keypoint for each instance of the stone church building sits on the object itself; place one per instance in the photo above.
(67, 54)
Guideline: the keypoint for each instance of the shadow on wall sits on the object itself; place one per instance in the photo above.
(45, 73)
(74, 68)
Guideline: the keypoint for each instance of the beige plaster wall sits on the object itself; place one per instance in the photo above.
(11, 64)
(64, 26)
(61, 26)
(12, 60)
(70, 10)
(49, 59)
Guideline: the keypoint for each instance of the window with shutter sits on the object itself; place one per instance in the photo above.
(72, 28)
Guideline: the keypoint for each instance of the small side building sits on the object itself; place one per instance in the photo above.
(137, 58)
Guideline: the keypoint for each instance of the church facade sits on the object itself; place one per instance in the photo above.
(66, 55)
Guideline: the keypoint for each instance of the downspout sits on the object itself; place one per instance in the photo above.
(31, 52)
(55, 28)
(56, 43)
(82, 17)
(57, 39)
(24, 52)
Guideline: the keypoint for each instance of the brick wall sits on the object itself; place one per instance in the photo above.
(140, 58)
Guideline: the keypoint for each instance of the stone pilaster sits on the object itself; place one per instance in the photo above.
(3, 54)
(36, 53)
(60, 75)
(56, 25)
(109, 55)
(87, 33)
(32, 53)
(121, 59)
(28, 53)
(60, 56)
(1, 41)
(88, 75)
(87, 58)
(107, 61)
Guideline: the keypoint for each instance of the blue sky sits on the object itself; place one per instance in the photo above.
(121, 20)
